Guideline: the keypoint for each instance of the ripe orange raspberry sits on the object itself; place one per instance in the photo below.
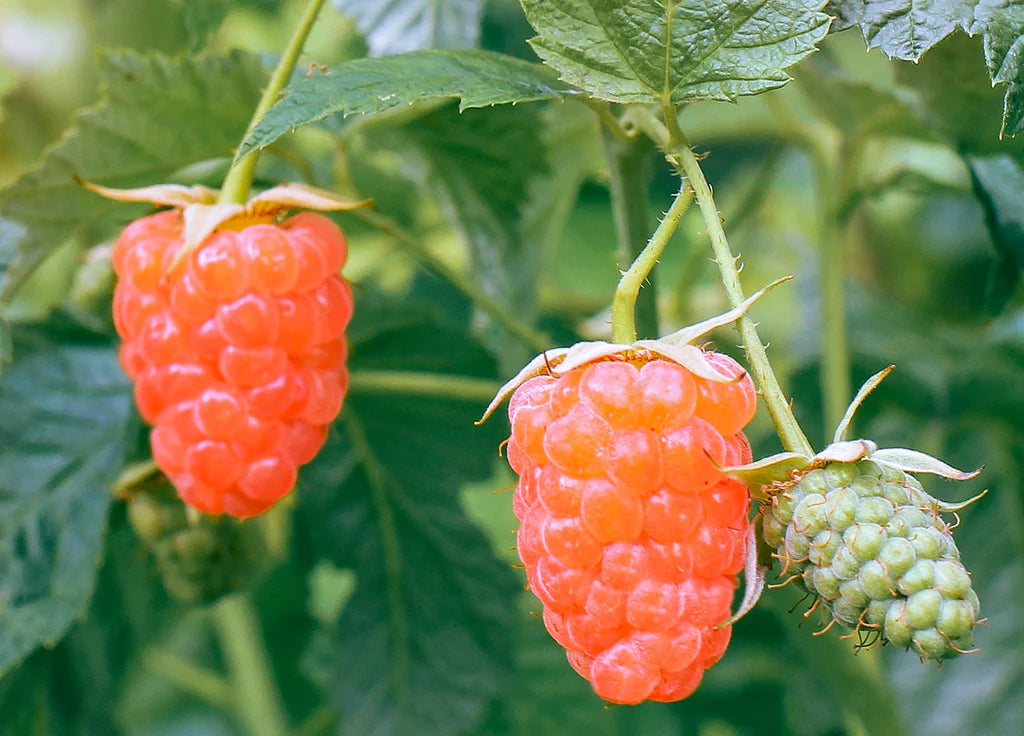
(237, 351)
(630, 535)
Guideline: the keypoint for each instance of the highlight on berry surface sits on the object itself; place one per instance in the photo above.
(854, 528)
(631, 536)
(233, 333)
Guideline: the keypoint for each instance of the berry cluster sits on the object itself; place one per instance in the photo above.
(870, 543)
(630, 535)
(237, 351)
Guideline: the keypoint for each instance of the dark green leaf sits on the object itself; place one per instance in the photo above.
(369, 86)
(1002, 22)
(158, 116)
(999, 186)
(423, 644)
(65, 410)
(668, 52)
(395, 26)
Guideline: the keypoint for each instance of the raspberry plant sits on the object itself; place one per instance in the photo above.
(515, 156)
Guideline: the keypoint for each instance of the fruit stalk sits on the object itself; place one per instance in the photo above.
(239, 177)
(629, 174)
(676, 145)
(624, 329)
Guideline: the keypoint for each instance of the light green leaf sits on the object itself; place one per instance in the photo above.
(423, 645)
(201, 18)
(66, 410)
(369, 86)
(643, 51)
(395, 26)
(1002, 22)
(157, 116)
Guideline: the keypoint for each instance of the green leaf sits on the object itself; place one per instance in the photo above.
(999, 186)
(905, 29)
(370, 86)
(423, 645)
(395, 26)
(157, 116)
(638, 51)
(1002, 22)
(66, 411)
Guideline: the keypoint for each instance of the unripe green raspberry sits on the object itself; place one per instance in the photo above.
(870, 543)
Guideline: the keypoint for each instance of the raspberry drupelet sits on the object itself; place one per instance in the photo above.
(237, 351)
(631, 536)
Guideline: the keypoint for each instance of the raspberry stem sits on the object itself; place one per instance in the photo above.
(256, 696)
(238, 181)
(670, 139)
(629, 176)
(624, 301)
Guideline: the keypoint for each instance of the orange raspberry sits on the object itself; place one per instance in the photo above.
(630, 535)
(237, 353)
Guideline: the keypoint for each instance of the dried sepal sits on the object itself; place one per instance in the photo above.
(912, 461)
(869, 385)
(676, 347)
(777, 468)
(755, 571)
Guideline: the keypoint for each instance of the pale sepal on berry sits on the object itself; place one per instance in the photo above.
(202, 214)
(912, 461)
(676, 347)
(755, 568)
(869, 385)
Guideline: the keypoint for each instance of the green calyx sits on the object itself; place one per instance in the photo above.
(855, 528)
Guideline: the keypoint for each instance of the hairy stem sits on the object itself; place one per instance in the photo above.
(671, 139)
(530, 337)
(629, 182)
(624, 330)
(239, 177)
(255, 695)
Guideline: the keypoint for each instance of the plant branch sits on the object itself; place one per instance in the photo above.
(530, 337)
(416, 383)
(671, 140)
(255, 695)
(190, 677)
(629, 177)
(239, 177)
(624, 330)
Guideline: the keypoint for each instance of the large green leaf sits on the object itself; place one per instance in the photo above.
(65, 409)
(157, 116)
(394, 26)
(1002, 22)
(423, 645)
(369, 86)
(669, 51)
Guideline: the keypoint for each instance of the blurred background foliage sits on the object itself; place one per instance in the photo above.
(892, 173)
